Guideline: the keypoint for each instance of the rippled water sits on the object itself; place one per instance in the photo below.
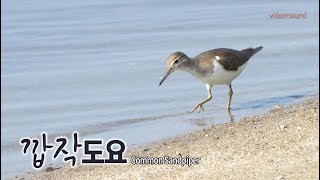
(94, 67)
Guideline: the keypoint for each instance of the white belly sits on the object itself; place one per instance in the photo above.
(221, 76)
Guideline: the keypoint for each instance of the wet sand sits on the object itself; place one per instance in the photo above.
(281, 144)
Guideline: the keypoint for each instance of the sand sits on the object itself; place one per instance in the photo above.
(281, 144)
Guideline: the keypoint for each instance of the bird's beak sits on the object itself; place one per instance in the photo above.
(169, 71)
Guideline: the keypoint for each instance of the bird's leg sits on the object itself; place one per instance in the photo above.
(230, 96)
(199, 106)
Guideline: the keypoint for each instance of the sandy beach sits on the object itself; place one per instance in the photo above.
(281, 144)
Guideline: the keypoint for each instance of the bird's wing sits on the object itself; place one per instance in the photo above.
(231, 59)
(204, 62)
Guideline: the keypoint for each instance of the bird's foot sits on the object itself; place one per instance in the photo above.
(199, 107)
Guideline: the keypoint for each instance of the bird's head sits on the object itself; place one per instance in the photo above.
(176, 61)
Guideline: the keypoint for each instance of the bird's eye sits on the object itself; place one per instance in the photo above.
(176, 61)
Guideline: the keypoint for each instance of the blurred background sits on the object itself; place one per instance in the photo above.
(94, 67)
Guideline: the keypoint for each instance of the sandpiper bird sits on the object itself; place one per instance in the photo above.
(217, 66)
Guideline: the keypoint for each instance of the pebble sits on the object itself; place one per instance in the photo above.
(282, 127)
(281, 178)
(277, 107)
(146, 149)
(49, 169)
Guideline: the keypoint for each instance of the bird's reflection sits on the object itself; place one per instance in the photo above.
(207, 120)
(231, 116)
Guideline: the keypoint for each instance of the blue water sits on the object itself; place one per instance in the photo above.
(94, 67)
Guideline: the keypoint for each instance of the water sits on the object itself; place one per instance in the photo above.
(94, 67)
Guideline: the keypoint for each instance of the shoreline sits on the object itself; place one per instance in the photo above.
(282, 143)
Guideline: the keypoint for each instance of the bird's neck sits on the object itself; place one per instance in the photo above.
(190, 67)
